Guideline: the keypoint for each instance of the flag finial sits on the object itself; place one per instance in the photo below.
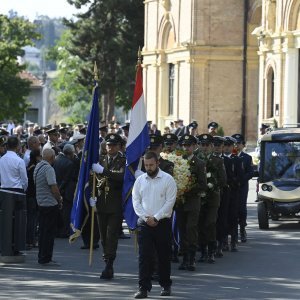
(96, 72)
(139, 61)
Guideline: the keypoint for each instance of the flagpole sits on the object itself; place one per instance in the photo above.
(93, 189)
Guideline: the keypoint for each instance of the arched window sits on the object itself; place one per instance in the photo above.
(270, 94)
(171, 89)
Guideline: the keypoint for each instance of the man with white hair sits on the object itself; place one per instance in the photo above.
(49, 202)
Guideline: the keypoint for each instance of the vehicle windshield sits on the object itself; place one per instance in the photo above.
(281, 161)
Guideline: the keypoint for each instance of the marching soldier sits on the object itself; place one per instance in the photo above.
(110, 176)
(247, 168)
(212, 128)
(210, 202)
(188, 211)
(170, 142)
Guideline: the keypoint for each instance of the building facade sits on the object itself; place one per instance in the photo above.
(279, 43)
(201, 63)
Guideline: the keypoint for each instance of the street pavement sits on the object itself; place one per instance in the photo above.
(266, 267)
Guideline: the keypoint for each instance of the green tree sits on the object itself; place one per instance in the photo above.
(15, 33)
(109, 32)
(71, 94)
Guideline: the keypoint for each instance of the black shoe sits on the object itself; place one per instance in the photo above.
(141, 294)
(234, 248)
(166, 291)
(243, 236)
(107, 273)
(219, 253)
(211, 259)
(123, 236)
(191, 266)
(203, 257)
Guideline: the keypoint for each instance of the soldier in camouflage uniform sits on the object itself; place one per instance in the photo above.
(210, 202)
(109, 203)
(188, 211)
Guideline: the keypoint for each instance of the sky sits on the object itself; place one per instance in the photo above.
(32, 8)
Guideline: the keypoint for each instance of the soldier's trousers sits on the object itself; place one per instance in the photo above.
(109, 227)
(243, 195)
(222, 221)
(233, 213)
(187, 222)
(208, 219)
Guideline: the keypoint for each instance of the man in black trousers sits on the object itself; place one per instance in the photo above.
(153, 197)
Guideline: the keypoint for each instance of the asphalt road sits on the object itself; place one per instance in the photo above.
(266, 267)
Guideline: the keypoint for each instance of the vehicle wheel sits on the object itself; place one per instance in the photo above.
(262, 214)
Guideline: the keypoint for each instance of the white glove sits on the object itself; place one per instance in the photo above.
(97, 168)
(138, 173)
(208, 175)
(210, 185)
(93, 201)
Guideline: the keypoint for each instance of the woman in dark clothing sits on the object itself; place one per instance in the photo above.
(35, 157)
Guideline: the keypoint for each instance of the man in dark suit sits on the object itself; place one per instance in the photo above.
(154, 130)
(247, 169)
(110, 175)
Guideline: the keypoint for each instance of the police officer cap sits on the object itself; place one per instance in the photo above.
(3, 131)
(113, 138)
(47, 127)
(229, 140)
(37, 131)
(156, 140)
(187, 139)
(193, 125)
(239, 138)
(51, 131)
(3, 140)
(218, 140)
(213, 125)
(170, 138)
(103, 128)
(63, 130)
(205, 138)
(125, 127)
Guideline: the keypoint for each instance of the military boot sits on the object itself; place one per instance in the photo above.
(185, 261)
(192, 262)
(219, 252)
(234, 246)
(203, 257)
(211, 252)
(243, 234)
(108, 272)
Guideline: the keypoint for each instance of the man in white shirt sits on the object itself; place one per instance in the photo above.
(153, 197)
(13, 175)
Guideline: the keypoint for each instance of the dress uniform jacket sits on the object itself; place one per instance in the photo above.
(110, 184)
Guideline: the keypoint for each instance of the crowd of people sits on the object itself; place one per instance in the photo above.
(211, 215)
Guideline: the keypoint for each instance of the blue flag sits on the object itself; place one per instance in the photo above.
(90, 155)
(137, 143)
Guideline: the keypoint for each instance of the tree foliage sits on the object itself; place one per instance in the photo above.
(109, 33)
(15, 33)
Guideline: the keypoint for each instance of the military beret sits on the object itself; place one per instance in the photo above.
(213, 125)
(229, 140)
(218, 140)
(170, 138)
(156, 140)
(113, 138)
(239, 138)
(51, 131)
(188, 139)
(205, 138)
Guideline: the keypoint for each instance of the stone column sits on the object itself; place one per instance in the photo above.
(290, 96)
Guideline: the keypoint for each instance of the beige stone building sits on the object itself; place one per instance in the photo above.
(279, 43)
(201, 63)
